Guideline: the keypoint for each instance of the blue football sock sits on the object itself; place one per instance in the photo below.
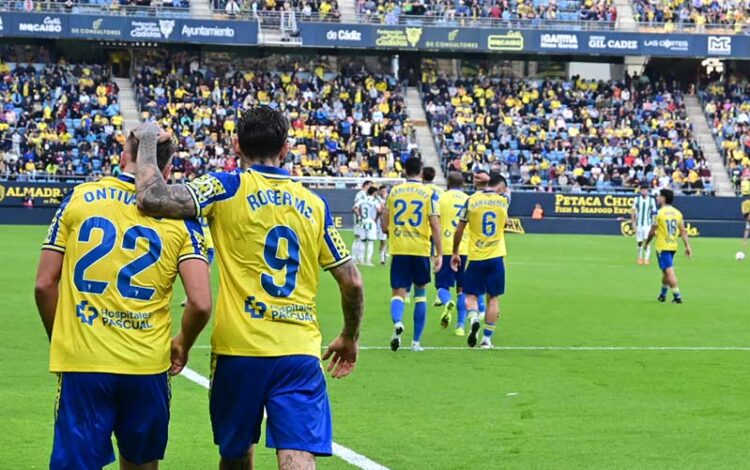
(489, 329)
(664, 289)
(444, 295)
(397, 309)
(480, 302)
(420, 312)
(461, 304)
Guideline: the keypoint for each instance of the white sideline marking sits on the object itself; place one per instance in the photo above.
(559, 348)
(344, 453)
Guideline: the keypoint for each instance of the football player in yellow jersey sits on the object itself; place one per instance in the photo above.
(411, 218)
(103, 290)
(485, 214)
(668, 225)
(452, 203)
(428, 178)
(746, 217)
(272, 236)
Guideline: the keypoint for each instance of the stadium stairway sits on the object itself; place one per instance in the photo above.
(706, 140)
(200, 9)
(626, 22)
(348, 9)
(425, 141)
(128, 105)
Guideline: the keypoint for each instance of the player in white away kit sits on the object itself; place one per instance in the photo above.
(382, 196)
(368, 211)
(642, 218)
(358, 247)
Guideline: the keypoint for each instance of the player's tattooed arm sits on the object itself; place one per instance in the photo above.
(352, 297)
(154, 196)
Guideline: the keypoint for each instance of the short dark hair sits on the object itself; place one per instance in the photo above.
(645, 185)
(372, 190)
(366, 183)
(668, 195)
(164, 151)
(413, 166)
(496, 179)
(428, 174)
(455, 179)
(262, 132)
(382, 187)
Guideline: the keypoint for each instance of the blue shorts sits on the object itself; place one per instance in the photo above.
(91, 405)
(210, 252)
(292, 389)
(447, 278)
(407, 270)
(485, 276)
(666, 259)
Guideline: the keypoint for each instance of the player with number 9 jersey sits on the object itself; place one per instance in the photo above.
(268, 283)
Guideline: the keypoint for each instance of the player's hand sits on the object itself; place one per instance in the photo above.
(343, 354)
(689, 252)
(179, 355)
(437, 263)
(455, 262)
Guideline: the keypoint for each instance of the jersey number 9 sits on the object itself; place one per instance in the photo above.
(274, 262)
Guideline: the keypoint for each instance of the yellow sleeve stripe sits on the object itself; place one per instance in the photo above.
(191, 256)
(195, 200)
(51, 247)
(337, 263)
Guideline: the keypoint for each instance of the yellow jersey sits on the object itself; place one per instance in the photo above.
(119, 268)
(746, 208)
(485, 214)
(452, 203)
(668, 221)
(435, 188)
(410, 206)
(271, 236)
(207, 233)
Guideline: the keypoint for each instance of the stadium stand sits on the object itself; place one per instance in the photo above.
(343, 123)
(696, 14)
(58, 120)
(305, 10)
(727, 107)
(163, 8)
(573, 135)
(509, 13)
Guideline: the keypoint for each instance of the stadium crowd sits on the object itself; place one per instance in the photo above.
(727, 107)
(322, 10)
(677, 14)
(58, 120)
(341, 124)
(505, 12)
(567, 135)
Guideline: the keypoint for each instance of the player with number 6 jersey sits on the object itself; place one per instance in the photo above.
(109, 318)
(272, 235)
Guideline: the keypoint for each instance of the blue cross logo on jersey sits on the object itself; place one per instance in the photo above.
(81, 310)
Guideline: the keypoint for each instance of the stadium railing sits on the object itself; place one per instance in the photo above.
(688, 28)
(518, 23)
(274, 18)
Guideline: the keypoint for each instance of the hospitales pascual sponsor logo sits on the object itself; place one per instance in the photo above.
(720, 45)
(602, 42)
(97, 29)
(207, 31)
(510, 41)
(50, 24)
(151, 29)
(348, 35)
(674, 45)
(558, 41)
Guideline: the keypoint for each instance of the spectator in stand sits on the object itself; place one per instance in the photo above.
(677, 15)
(28, 201)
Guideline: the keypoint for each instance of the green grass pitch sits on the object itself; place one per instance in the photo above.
(507, 408)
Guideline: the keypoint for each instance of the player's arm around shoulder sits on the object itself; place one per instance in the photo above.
(153, 196)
